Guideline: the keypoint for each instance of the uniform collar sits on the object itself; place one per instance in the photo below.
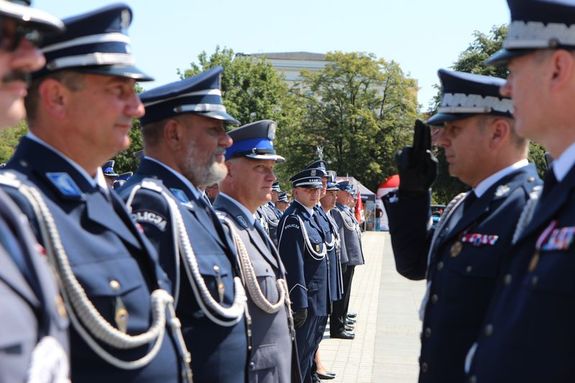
(99, 180)
(484, 185)
(562, 164)
(309, 211)
(197, 194)
(248, 214)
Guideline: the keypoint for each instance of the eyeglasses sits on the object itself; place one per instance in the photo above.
(13, 32)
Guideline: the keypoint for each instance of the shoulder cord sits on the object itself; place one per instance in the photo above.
(347, 220)
(333, 226)
(82, 311)
(269, 221)
(450, 208)
(318, 256)
(250, 279)
(233, 314)
(527, 213)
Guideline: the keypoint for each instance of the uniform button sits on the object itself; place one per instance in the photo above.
(427, 332)
(252, 365)
(473, 379)
(489, 330)
(468, 269)
(423, 367)
(531, 179)
(440, 266)
(114, 284)
(534, 280)
(507, 279)
(23, 163)
(434, 298)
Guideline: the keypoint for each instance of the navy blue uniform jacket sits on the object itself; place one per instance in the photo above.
(111, 259)
(219, 354)
(528, 333)
(467, 258)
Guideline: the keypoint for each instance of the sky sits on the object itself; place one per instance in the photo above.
(421, 35)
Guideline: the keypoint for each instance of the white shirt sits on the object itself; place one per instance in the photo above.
(564, 163)
(484, 185)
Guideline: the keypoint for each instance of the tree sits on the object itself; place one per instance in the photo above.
(253, 90)
(357, 108)
(472, 60)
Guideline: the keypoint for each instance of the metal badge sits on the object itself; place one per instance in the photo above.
(220, 284)
(502, 190)
(534, 261)
(60, 306)
(455, 249)
(121, 315)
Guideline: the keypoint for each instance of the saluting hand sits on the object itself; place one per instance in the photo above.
(416, 164)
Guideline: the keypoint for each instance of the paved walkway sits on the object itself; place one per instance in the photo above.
(386, 344)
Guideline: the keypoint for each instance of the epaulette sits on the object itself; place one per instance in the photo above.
(527, 212)
(153, 184)
(64, 184)
(8, 178)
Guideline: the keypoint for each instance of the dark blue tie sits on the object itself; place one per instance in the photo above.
(549, 182)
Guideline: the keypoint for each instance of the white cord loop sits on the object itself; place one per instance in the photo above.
(213, 310)
(84, 316)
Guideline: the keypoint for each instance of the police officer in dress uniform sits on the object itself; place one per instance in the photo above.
(109, 173)
(329, 234)
(184, 143)
(80, 108)
(303, 252)
(465, 254)
(33, 330)
(250, 162)
(282, 203)
(527, 333)
(351, 255)
(271, 213)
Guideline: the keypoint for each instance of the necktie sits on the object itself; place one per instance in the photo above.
(469, 199)
(549, 181)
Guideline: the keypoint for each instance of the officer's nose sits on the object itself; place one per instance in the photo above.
(27, 57)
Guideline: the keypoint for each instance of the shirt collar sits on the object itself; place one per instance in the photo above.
(99, 180)
(197, 194)
(309, 210)
(251, 217)
(562, 164)
(484, 185)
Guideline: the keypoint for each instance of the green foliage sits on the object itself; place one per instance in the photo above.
(128, 160)
(253, 90)
(360, 109)
(9, 139)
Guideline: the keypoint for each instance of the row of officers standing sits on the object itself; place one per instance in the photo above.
(153, 283)
(500, 264)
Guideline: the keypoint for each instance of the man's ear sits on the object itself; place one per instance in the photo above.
(172, 134)
(500, 131)
(54, 97)
(562, 66)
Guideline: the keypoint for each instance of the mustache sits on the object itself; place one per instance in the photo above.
(219, 150)
(16, 75)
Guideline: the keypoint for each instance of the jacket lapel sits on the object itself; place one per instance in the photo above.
(548, 206)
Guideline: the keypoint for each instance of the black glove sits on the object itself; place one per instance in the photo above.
(416, 164)
(299, 317)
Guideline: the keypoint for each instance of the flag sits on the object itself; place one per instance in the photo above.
(359, 209)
